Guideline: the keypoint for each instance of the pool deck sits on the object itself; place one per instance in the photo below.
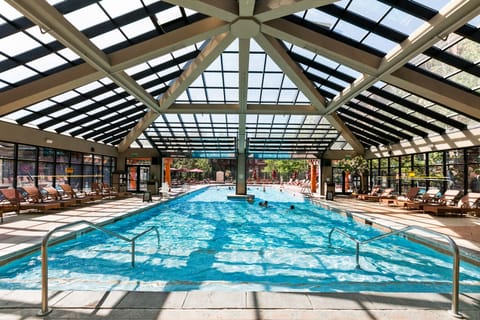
(19, 232)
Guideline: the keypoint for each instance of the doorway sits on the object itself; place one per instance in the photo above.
(137, 178)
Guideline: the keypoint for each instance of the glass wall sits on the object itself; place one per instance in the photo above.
(46, 166)
(406, 173)
(436, 173)
(394, 175)
(26, 165)
(374, 165)
(452, 169)
(473, 165)
(384, 176)
(7, 164)
(22, 164)
(455, 163)
(61, 167)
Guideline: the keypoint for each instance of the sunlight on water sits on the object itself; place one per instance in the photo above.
(210, 243)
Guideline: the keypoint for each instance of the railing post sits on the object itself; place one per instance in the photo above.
(357, 258)
(44, 254)
(133, 253)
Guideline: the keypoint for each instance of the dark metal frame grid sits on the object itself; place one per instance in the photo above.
(377, 116)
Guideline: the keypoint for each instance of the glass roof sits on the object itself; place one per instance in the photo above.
(114, 63)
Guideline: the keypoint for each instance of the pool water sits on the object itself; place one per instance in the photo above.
(210, 243)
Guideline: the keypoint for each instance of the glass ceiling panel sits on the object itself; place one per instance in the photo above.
(372, 9)
(402, 21)
(436, 5)
(86, 17)
(102, 104)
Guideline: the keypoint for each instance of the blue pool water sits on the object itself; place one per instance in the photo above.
(210, 243)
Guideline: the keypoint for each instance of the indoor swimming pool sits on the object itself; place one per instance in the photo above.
(210, 243)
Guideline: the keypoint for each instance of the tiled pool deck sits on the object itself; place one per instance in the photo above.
(20, 232)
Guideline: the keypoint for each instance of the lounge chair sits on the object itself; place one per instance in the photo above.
(19, 202)
(467, 204)
(101, 192)
(55, 195)
(387, 196)
(430, 196)
(109, 190)
(76, 197)
(410, 197)
(6, 205)
(371, 196)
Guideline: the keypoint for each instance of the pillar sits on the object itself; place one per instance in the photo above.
(313, 176)
(168, 179)
(241, 179)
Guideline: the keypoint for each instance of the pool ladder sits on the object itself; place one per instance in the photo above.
(453, 248)
(44, 254)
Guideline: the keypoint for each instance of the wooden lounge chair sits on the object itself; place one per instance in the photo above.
(54, 194)
(430, 196)
(447, 203)
(371, 196)
(387, 196)
(410, 197)
(76, 197)
(109, 190)
(6, 205)
(18, 200)
(469, 203)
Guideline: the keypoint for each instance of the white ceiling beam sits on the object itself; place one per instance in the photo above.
(174, 40)
(371, 65)
(338, 51)
(335, 121)
(77, 76)
(453, 16)
(246, 7)
(48, 18)
(243, 57)
(38, 90)
(278, 54)
(225, 9)
(211, 51)
(266, 10)
(437, 91)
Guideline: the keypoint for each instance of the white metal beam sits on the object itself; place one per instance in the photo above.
(313, 41)
(456, 14)
(436, 91)
(44, 88)
(224, 9)
(211, 51)
(278, 54)
(273, 48)
(246, 7)
(47, 17)
(243, 57)
(266, 10)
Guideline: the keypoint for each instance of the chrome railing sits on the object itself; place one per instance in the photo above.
(453, 246)
(44, 254)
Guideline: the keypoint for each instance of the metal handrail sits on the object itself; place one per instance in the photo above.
(453, 246)
(44, 254)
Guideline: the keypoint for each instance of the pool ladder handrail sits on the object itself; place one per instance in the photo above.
(453, 246)
(44, 254)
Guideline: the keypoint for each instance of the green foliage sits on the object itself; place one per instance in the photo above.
(356, 164)
(192, 163)
(285, 168)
